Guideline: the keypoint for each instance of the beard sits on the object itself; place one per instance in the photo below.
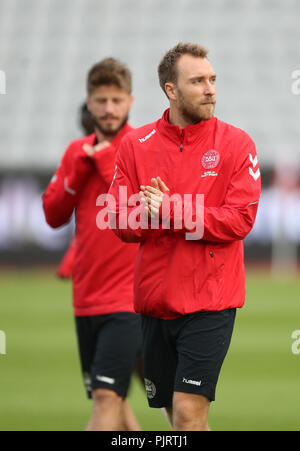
(191, 113)
(108, 131)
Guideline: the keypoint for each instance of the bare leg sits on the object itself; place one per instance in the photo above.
(168, 414)
(107, 406)
(190, 412)
(128, 420)
(111, 413)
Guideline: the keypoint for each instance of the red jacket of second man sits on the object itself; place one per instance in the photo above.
(103, 265)
(175, 276)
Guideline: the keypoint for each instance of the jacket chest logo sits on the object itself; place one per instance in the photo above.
(210, 159)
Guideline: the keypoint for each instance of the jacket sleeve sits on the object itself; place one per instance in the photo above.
(65, 269)
(105, 163)
(63, 191)
(235, 218)
(128, 218)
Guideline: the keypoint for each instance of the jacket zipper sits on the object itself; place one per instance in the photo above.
(182, 138)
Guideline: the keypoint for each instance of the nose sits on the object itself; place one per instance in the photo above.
(210, 88)
(109, 107)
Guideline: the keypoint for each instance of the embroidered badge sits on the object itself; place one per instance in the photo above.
(210, 159)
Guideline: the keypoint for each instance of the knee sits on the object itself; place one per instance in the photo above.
(102, 397)
(190, 412)
(183, 411)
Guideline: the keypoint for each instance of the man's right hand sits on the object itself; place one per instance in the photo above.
(91, 150)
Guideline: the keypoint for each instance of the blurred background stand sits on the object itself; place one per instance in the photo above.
(284, 204)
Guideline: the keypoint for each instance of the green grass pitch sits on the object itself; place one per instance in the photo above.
(40, 380)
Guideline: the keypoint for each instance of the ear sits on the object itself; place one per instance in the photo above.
(88, 103)
(131, 102)
(170, 89)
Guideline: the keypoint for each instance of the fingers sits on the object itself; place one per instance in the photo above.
(151, 203)
(101, 146)
(152, 196)
(154, 183)
(162, 186)
(154, 212)
(155, 196)
(90, 150)
(155, 203)
(143, 198)
(144, 202)
(158, 184)
(151, 192)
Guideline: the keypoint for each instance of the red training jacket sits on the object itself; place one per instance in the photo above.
(103, 265)
(175, 276)
(65, 269)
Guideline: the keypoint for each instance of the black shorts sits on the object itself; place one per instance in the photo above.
(185, 354)
(109, 346)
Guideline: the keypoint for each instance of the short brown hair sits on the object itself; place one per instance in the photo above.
(167, 70)
(109, 72)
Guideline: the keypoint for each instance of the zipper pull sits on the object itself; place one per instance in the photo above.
(181, 148)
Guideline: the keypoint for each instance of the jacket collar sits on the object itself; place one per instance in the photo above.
(190, 133)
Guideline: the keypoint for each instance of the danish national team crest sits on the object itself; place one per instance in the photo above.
(150, 389)
(210, 159)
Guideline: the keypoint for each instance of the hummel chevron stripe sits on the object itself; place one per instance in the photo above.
(67, 189)
(254, 161)
(253, 174)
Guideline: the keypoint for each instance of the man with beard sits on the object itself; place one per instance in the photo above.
(108, 330)
(199, 184)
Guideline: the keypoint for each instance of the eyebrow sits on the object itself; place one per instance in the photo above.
(202, 77)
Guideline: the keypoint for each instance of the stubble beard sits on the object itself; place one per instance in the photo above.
(108, 132)
(191, 114)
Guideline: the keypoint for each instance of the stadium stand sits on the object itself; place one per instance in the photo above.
(46, 47)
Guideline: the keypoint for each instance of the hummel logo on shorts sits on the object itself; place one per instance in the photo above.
(189, 381)
(108, 380)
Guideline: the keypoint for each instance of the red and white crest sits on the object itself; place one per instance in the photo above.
(210, 159)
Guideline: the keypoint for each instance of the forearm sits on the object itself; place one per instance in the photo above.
(104, 161)
(129, 224)
(228, 224)
(58, 206)
(218, 224)
(64, 190)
